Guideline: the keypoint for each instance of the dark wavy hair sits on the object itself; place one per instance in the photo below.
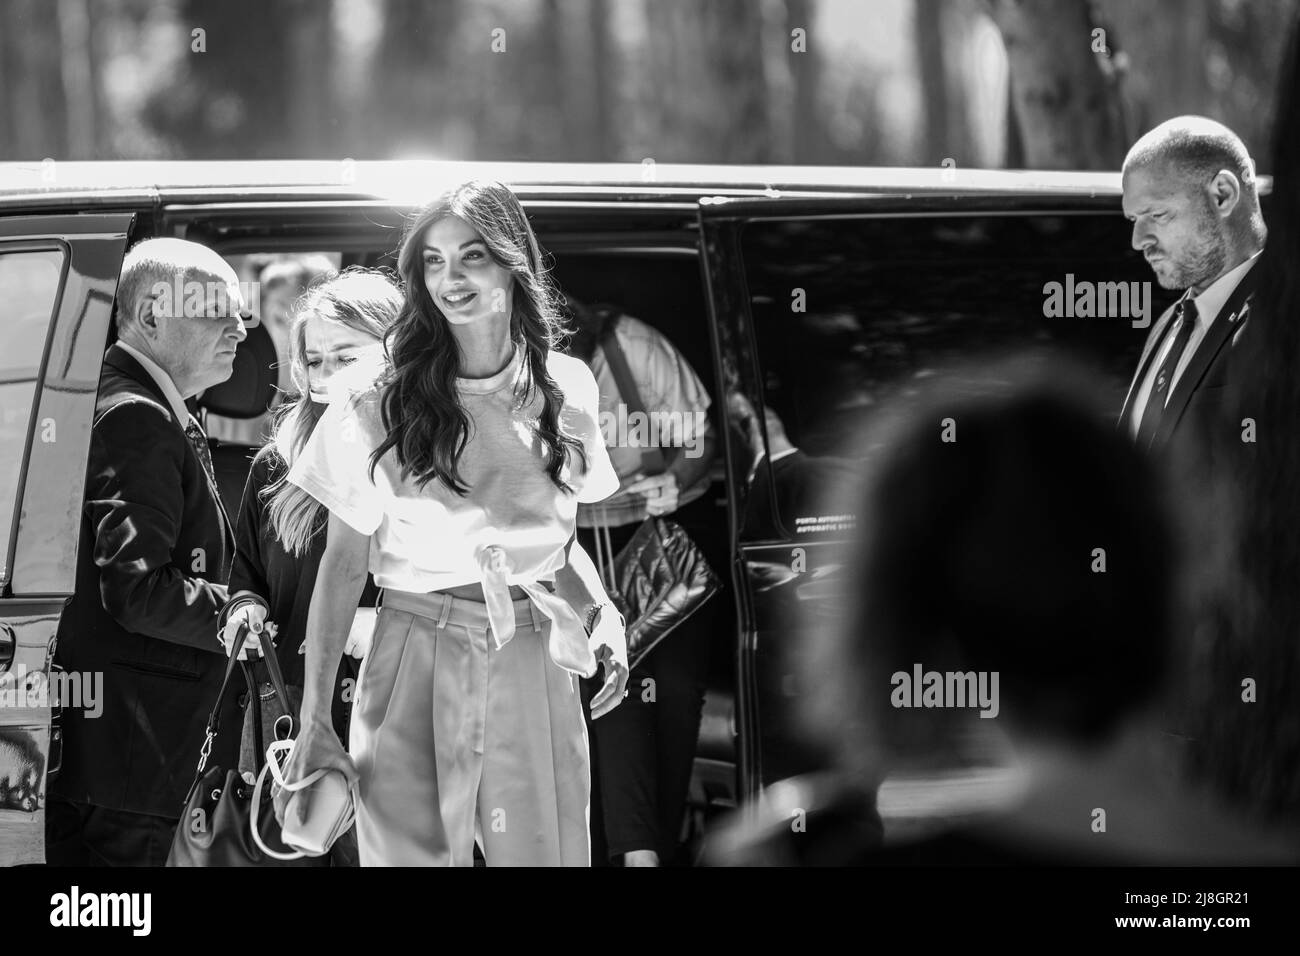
(427, 426)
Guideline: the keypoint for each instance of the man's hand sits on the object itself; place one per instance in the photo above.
(660, 492)
(611, 652)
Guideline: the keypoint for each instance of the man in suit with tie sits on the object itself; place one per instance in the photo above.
(152, 564)
(1190, 192)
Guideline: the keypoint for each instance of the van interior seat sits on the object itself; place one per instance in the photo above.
(247, 394)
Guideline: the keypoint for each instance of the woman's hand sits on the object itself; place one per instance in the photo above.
(253, 617)
(359, 637)
(610, 641)
(660, 492)
(317, 748)
(363, 629)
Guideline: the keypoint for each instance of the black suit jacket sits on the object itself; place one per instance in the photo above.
(1196, 408)
(152, 564)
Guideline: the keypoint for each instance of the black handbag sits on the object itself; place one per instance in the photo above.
(215, 827)
(260, 722)
(660, 577)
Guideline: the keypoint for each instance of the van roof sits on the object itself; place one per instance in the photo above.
(411, 182)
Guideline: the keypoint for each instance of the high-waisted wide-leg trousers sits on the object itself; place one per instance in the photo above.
(454, 737)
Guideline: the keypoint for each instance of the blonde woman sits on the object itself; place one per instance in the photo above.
(279, 536)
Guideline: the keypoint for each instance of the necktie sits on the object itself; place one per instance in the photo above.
(200, 442)
(1185, 322)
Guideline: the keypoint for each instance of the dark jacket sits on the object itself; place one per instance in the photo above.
(152, 563)
(1197, 406)
(286, 582)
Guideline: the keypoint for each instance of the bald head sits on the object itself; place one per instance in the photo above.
(1190, 190)
(162, 261)
(1196, 148)
(180, 304)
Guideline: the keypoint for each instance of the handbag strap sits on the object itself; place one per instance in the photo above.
(255, 706)
(279, 753)
(277, 681)
(213, 727)
(652, 457)
(214, 718)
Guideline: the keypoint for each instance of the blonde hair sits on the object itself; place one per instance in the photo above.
(365, 300)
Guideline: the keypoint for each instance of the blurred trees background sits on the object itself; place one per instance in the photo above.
(1020, 83)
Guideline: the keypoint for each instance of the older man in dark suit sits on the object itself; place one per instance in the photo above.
(152, 563)
(1189, 189)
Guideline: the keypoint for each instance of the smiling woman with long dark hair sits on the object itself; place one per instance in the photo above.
(454, 473)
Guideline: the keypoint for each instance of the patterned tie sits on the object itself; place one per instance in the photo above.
(1184, 323)
(200, 442)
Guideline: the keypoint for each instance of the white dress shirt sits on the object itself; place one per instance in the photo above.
(159, 375)
(1208, 305)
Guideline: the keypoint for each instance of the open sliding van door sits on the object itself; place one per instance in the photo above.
(58, 277)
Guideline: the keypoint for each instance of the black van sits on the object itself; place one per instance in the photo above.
(800, 296)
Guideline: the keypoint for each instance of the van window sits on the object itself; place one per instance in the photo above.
(29, 286)
(847, 310)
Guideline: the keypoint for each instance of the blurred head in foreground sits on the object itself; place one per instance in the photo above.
(1014, 543)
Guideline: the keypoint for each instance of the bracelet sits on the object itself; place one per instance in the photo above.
(234, 605)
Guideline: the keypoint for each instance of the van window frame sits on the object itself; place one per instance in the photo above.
(13, 247)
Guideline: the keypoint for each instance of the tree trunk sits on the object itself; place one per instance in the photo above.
(1063, 105)
(419, 78)
(928, 34)
(807, 135)
(37, 106)
(79, 83)
(308, 77)
(601, 79)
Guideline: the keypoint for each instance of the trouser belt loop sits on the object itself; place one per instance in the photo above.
(446, 610)
(537, 615)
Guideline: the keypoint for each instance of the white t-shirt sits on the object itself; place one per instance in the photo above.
(512, 526)
(677, 404)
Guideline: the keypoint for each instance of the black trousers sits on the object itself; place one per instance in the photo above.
(643, 751)
(82, 834)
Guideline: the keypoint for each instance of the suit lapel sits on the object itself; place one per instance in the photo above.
(1227, 322)
(125, 363)
(1149, 352)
